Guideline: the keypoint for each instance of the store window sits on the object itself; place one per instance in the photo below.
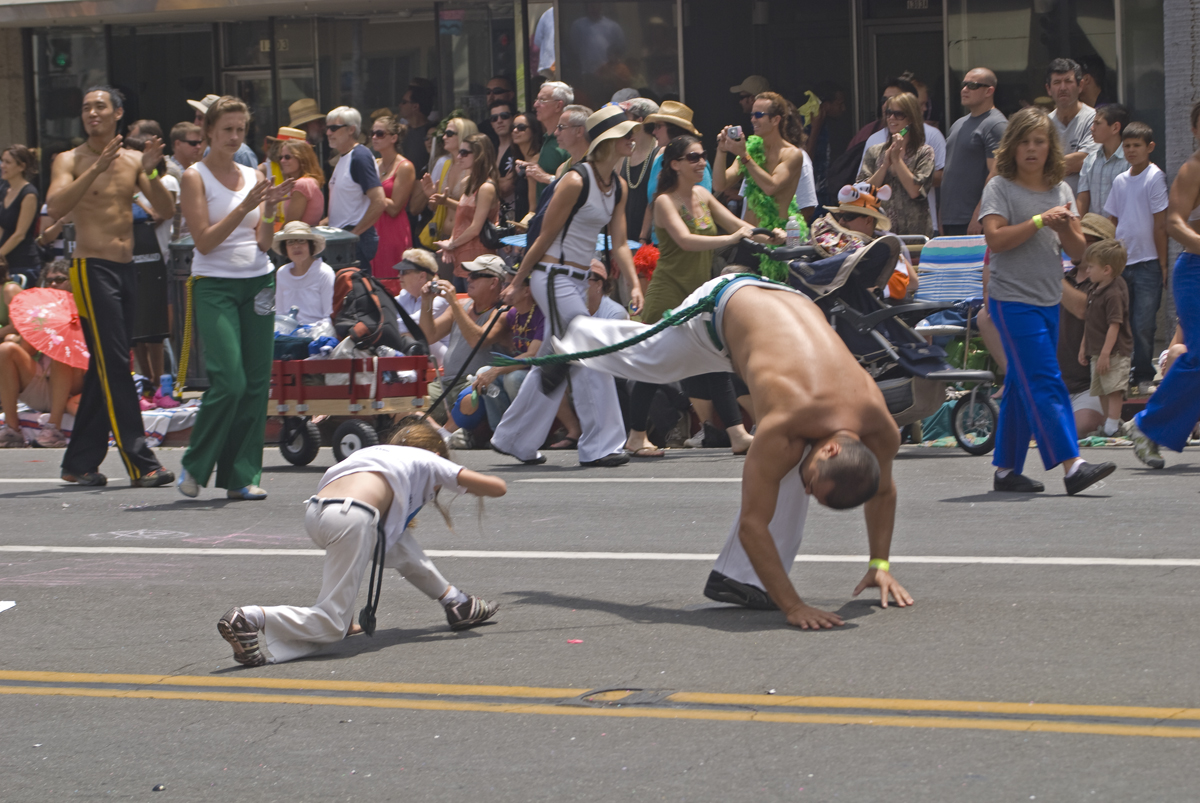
(67, 61)
(609, 46)
(367, 63)
(476, 42)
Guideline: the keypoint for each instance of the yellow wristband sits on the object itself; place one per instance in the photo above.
(153, 174)
(880, 564)
(1037, 221)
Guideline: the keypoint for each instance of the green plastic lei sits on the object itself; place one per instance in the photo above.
(766, 210)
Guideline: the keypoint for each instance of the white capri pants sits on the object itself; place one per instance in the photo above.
(347, 530)
(787, 530)
(527, 422)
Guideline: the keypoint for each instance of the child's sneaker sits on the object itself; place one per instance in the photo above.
(1145, 449)
(10, 438)
(473, 611)
(235, 628)
(50, 437)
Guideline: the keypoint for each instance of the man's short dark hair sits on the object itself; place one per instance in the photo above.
(1114, 113)
(114, 94)
(1093, 66)
(1060, 66)
(422, 95)
(1137, 130)
(511, 105)
(854, 472)
(903, 84)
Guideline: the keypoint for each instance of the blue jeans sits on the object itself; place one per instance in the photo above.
(1145, 283)
(509, 385)
(366, 248)
(1175, 407)
(1036, 402)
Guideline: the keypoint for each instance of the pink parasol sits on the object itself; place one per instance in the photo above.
(48, 320)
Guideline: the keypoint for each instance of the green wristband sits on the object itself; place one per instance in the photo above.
(880, 564)
(1037, 221)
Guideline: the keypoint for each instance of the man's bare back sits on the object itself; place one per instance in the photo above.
(104, 214)
(1184, 199)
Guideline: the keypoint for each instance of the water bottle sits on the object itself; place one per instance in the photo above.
(387, 351)
(294, 312)
(793, 231)
(285, 324)
(493, 390)
(166, 384)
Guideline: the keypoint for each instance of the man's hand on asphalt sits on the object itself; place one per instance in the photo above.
(887, 585)
(809, 618)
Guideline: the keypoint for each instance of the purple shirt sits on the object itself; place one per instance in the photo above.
(526, 328)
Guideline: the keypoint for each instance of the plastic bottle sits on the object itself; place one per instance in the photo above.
(793, 231)
(285, 324)
(387, 351)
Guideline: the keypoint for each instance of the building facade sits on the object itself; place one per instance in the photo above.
(273, 52)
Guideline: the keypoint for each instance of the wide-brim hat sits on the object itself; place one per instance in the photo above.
(753, 85)
(296, 230)
(672, 111)
(288, 134)
(203, 104)
(1098, 226)
(611, 122)
(855, 200)
(304, 111)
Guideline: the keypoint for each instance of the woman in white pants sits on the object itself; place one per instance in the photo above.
(377, 487)
(557, 265)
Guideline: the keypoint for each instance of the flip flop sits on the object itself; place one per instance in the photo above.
(647, 451)
(566, 443)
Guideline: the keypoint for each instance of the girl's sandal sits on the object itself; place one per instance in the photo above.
(647, 451)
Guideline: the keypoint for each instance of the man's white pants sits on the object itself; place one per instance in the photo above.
(347, 532)
(787, 530)
(527, 422)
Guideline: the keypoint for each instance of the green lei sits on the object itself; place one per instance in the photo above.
(766, 210)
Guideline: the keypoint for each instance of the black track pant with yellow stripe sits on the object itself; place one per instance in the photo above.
(105, 293)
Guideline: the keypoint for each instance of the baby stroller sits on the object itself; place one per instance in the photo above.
(911, 373)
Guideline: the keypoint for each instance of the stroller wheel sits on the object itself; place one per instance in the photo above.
(974, 419)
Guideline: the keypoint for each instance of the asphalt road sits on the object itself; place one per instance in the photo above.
(1051, 655)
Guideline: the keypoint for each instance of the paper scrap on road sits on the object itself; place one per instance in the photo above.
(5, 604)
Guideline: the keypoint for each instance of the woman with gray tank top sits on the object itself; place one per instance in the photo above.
(557, 265)
(233, 291)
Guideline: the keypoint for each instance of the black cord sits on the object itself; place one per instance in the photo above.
(448, 386)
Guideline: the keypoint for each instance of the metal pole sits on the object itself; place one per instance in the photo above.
(273, 61)
(679, 47)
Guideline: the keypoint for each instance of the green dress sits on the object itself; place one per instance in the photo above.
(679, 272)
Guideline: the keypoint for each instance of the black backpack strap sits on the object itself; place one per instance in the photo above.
(585, 176)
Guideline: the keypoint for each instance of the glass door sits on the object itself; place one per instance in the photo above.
(254, 87)
(907, 47)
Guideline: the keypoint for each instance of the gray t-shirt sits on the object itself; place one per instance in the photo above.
(1076, 136)
(459, 349)
(972, 141)
(1032, 272)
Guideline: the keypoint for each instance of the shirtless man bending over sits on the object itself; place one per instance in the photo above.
(1174, 408)
(97, 181)
(823, 431)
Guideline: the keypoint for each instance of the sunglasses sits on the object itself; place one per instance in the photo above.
(564, 127)
(377, 134)
(501, 116)
(286, 157)
(694, 158)
(450, 133)
(973, 85)
(496, 91)
(745, 96)
(758, 115)
(465, 152)
(520, 127)
(473, 276)
(334, 127)
(895, 115)
(195, 143)
(59, 280)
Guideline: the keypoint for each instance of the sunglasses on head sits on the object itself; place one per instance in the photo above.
(501, 116)
(465, 151)
(450, 132)
(336, 127)
(895, 114)
(973, 85)
(694, 158)
(520, 127)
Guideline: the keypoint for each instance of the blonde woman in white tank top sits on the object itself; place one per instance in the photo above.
(557, 265)
(234, 306)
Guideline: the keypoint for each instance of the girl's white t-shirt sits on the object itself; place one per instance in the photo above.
(413, 475)
(311, 293)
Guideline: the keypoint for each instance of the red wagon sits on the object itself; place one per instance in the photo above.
(367, 403)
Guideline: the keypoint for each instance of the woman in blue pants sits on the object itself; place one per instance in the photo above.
(1027, 220)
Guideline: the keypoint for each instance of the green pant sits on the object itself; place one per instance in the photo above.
(238, 348)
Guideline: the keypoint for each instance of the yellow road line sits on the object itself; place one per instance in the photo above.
(1038, 726)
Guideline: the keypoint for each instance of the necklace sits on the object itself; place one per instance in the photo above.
(386, 169)
(633, 185)
(88, 142)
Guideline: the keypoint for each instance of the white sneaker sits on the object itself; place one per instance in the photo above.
(459, 439)
(695, 442)
(187, 485)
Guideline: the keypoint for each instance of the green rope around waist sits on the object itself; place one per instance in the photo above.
(670, 318)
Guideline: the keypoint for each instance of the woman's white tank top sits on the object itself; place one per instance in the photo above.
(239, 256)
(594, 215)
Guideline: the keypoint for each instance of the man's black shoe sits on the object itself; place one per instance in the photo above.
(722, 589)
(1087, 475)
(1018, 483)
(608, 461)
(537, 461)
(553, 375)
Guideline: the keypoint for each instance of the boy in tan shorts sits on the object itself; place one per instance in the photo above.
(1107, 339)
